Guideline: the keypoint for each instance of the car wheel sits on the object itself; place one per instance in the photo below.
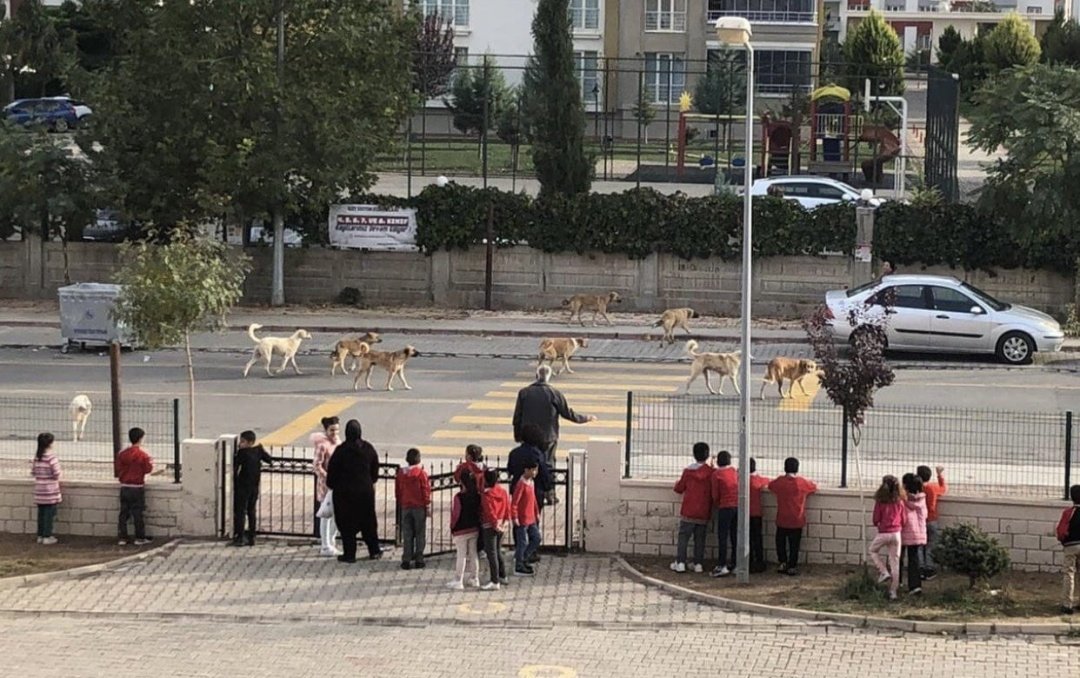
(1016, 348)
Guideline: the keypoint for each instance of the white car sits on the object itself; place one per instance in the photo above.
(808, 191)
(930, 313)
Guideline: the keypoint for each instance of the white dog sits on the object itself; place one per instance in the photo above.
(267, 346)
(80, 412)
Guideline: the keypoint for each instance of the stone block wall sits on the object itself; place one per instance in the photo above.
(89, 509)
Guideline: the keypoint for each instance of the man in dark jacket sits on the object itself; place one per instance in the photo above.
(351, 474)
(247, 472)
(541, 404)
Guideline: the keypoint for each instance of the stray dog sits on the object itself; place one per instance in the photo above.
(266, 347)
(792, 369)
(391, 361)
(80, 412)
(354, 347)
(562, 349)
(597, 303)
(672, 318)
(724, 364)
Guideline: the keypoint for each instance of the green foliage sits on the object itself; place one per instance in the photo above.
(557, 117)
(1061, 41)
(433, 56)
(478, 97)
(873, 50)
(831, 66)
(37, 55)
(862, 586)
(949, 41)
(722, 90)
(917, 60)
(967, 550)
(1012, 43)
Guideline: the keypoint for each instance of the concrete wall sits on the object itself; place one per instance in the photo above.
(525, 278)
(640, 517)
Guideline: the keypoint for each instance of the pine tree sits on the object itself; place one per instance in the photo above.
(722, 90)
(1012, 43)
(873, 51)
(554, 101)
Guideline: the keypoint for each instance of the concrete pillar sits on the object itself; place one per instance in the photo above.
(200, 462)
(603, 478)
(648, 281)
(862, 270)
(440, 279)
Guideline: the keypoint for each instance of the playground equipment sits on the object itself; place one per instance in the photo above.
(888, 149)
(899, 106)
(722, 126)
(831, 131)
(779, 147)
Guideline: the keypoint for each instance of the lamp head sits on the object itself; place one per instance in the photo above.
(733, 30)
(441, 181)
(867, 195)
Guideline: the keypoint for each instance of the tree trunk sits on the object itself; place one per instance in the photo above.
(64, 251)
(191, 385)
(855, 438)
(277, 291)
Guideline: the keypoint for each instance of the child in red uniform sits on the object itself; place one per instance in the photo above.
(525, 517)
(725, 495)
(412, 489)
(132, 466)
(1068, 533)
(933, 492)
(758, 484)
(791, 491)
(474, 464)
(495, 517)
(695, 486)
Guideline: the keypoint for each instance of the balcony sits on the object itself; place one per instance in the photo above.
(766, 16)
(764, 11)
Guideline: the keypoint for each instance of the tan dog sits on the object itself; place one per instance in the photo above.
(354, 347)
(792, 369)
(597, 303)
(724, 364)
(80, 412)
(266, 347)
(562, 348)
(672, 318)
(391, 361)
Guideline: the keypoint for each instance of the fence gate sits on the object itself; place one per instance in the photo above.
(942, 132)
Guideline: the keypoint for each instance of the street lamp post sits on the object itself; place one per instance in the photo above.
(731, 30)
(596, 111)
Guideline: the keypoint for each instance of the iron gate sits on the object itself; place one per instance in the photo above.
(942, 132)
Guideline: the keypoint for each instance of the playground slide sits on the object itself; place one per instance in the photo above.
(888, 147)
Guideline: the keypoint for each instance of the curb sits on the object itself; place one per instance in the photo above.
(853, 620)
(7, 583)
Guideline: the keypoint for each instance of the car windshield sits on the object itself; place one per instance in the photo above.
(862, 288)
(984, 297)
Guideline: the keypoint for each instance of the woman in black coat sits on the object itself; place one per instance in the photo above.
(351, 474)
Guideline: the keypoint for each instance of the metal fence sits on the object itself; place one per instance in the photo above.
(91, 456)
(985, 452)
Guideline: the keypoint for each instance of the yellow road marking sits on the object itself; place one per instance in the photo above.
(799, 402)
(507, 405)
(582, 376)
(600, 387)
(508, 421)
(503, 436)
(308, 421)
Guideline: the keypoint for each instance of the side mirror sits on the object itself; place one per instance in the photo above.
(976, 310)
(847, 198)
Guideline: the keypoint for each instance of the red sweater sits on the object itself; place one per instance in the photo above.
(132, 466)
(791, 492)
(725, 488)
(412, 488)
(933, 492)
(494, 506)
(477, 471)
(888, 517)
(523, 505)
(1068, 527)
(757, 485)
(695, 486)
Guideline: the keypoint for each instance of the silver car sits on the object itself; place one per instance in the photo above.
(931, 313)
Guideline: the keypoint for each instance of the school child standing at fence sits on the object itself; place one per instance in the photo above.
(888, 518)
(46, 472)
(913, 530)
(695, 486)
(725, 494)
(465, 528)
(791, 491)
(325, 442)
(131, 467)
(412, 490)
(247, 472)
(933, 491)
(1068, 533)
(526, 516)
(474, 464)
(495, 518)
(758, 484)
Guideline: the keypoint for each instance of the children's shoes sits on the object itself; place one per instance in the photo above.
(678, 567)
(696, 567)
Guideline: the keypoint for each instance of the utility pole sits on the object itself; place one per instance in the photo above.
(277, 291)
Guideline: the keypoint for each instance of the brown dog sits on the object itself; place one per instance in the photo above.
(354, 347)
(597, 303)
(672, 318)
(724, 364)
(792, 369)
(562, 348)
(391, 361)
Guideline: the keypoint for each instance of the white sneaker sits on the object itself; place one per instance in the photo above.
(455, 585)
(698, 568)
(678, 567)
(884, 577)
(48, 541)
(39, 539)
(329, 553)
(490, 586)
(475, 583)
(122, 542)
(721, 571)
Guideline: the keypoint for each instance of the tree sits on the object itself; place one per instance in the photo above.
(644, 113)
(1012, 43)
(478, 97)
(510, 128)
(36, 53)
(1061, 41)
(948, 43)
(433, 56)
(969, 62)
(557, 116)
(873, 50)
(174, 289)
(722, 91)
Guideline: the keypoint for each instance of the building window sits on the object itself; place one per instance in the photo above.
(1034, 10)
(665, 15)
(665, 77)
(587, 73)
(457, 11)
(923, 41)
(777, 71)
(461, 61)
(776, 11)
(585, 15)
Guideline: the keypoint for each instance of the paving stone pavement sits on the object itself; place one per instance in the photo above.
(276, 610)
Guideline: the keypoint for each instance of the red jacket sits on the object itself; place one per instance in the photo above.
(757, 484)
(933, 493)
(412, 488)
(695, 486)
(791, 492)
(725, 487)
(1068, 528)
(494, 506)
(523, 505)
(132, 466)
(477, 471)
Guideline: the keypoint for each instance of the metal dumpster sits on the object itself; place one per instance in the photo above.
(86, 315)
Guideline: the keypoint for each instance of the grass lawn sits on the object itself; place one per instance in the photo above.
(20, 555)
(1015, 596)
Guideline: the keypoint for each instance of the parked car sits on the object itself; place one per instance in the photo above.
(808, 191)
(58, 114)
(109, 226)
(942, 314)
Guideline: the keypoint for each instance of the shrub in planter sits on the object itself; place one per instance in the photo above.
(966, 549)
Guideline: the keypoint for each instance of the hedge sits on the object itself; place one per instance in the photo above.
(640, 222)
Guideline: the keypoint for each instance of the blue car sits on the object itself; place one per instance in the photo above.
(57, 114)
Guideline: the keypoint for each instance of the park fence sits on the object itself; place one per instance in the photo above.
(985, 452)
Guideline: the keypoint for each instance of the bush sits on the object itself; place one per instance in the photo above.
(967, 550)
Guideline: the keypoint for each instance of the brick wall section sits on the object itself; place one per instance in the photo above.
(649, 510)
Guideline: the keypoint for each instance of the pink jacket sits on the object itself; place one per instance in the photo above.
(324, 448)
(913, 531)
(888, 518)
